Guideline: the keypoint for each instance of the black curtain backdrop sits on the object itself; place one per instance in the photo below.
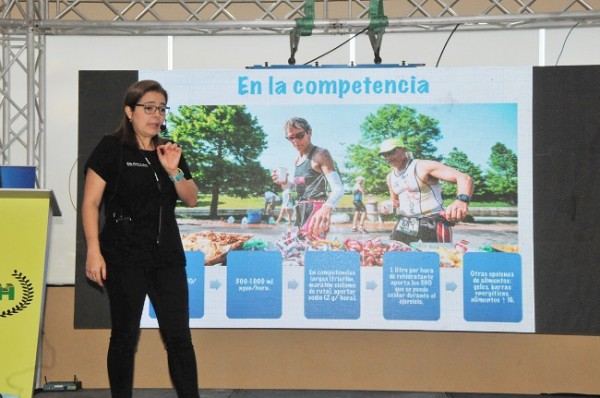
(100, 112)
(565, 156)
(566, 162)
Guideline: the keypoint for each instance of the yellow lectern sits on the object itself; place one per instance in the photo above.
(25, 220)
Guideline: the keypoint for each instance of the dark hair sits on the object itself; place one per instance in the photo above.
(298, 123)
(132, 96)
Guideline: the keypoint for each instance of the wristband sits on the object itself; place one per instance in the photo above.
(178, 177)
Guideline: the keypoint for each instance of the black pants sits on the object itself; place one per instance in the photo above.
(359, 206)
(168, 291)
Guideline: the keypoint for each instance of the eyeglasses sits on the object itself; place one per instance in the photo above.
(151, 109)
(298, 136)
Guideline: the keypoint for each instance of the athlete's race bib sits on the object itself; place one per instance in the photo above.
(408, 225)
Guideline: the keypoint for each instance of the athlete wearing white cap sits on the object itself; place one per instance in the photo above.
(416, 194)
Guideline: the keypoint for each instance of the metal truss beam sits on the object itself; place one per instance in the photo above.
(276, 17)
(24, 25)
(22, 112)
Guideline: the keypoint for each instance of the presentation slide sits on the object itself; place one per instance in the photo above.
(251, 264)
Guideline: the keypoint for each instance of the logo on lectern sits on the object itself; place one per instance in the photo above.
(11, 292)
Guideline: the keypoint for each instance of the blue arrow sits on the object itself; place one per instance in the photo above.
(371, 285)
(451, 286)
(215, 284)
(292, 284)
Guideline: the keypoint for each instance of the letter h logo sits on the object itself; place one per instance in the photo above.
(9, 291)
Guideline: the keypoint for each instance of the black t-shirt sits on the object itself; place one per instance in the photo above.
(140, 229)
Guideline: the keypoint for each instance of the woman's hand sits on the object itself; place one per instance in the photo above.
(95, 268)
(169, 155)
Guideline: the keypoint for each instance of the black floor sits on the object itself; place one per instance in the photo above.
(166, 393)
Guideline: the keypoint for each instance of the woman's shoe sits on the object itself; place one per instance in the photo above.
(362, 230)
(354, 229)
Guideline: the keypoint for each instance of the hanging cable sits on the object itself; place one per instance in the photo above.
(335, 48)
(69, 180)
(565, 42)
(445, 44)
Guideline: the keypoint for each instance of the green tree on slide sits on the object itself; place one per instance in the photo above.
(222, 145)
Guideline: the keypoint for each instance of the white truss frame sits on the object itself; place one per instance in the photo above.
(24, 25)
